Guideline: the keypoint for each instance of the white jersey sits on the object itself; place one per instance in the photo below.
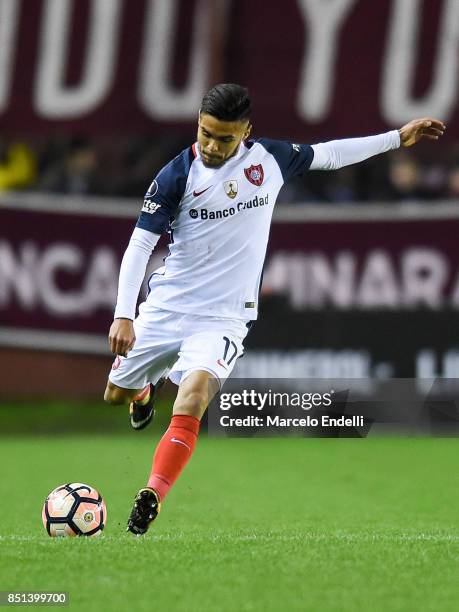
(219, 220)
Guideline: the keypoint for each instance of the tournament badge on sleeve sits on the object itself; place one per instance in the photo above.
(255, 174)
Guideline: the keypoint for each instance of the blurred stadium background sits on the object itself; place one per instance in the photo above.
(361, 277)
(361, 280)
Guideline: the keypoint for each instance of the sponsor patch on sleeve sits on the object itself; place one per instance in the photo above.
(149, 206)
(153, 188)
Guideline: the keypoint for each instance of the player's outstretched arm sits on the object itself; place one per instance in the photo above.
(121, 337)
(419, 129)
(336, 154)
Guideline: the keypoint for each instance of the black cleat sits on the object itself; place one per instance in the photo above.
(142, 415)
(146, 508)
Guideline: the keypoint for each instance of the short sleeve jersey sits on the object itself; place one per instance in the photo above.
(219, 220)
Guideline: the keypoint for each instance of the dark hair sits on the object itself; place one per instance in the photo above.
(227, 102)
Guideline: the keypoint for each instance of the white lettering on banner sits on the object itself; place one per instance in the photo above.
(55, 100)
(419, 276)
(101, 282)
(425, 364)
(425, 274)
(18, 276)
(308, 363)
(9, 13)
(156, 93)
(323, 23)
(399, 66)
(59, 257)
(454, 302)
(429, 365)
(313, 275)
(378, 284)
(31, 278)
(327, 282)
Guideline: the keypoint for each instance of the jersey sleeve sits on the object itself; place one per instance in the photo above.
(293, 159)
(336, 154)
(165, 193)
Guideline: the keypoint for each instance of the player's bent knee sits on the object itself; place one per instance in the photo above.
(115, 396)
(112, 398)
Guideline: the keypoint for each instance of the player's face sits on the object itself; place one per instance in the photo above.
(219, 140)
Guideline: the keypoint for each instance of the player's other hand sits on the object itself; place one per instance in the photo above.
(121, 336)
(418, 129)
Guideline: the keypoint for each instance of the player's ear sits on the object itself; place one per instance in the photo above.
(248, 129)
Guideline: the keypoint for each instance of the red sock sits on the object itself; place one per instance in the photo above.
(143, 394)
(173, 452)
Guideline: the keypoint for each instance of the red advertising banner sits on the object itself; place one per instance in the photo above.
(395, 264)
(315, 69)
(59, 265)
(356, 292)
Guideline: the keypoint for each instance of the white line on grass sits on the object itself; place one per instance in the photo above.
(262, 537)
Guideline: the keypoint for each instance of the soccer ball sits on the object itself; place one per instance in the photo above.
(74, 509)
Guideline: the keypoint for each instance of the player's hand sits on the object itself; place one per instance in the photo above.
(121, 336)
(418, 129)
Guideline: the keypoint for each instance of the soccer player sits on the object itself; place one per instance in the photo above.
(216, 198)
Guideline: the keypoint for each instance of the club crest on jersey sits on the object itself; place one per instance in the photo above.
(255, 174)
(230, 188)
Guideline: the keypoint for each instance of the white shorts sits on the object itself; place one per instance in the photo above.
(174, 344)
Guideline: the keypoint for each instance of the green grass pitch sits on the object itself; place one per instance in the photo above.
(252, 524)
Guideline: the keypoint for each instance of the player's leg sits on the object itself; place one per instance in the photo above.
(117, 396)
(142, 407)
(175, 447)
(141, 401)
(135, 380)
(195, 393)
(207, 358)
